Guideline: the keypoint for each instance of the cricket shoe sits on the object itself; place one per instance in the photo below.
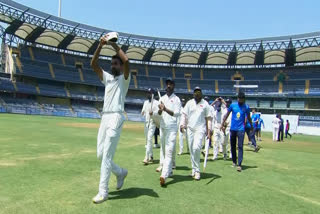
(197, 176)
(99, 198)
(159, 169)
(145, 161)
(257, 149)
(120, 178)
(192, 174)
(162, 181)
(239, 169)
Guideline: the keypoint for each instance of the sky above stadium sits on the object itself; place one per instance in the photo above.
(186, 19)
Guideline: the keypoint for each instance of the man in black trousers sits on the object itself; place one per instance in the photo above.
(281, 129)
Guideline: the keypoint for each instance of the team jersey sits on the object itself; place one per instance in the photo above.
(248, 126)
(196, 114)
(255, 120)
(218, 117)
(239, 113)
(276, 122)
(147, 108)
(260, 123)
(172, 103)
(116, 89)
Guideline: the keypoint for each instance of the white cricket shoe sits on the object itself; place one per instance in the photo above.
(120, 178)
(197, 176)
(99, 198)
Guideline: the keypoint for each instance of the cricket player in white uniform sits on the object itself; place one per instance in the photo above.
(182, 134)
(220, 137)
(196, 117)
(150, 108)
(276, 125)
(116, 88)
(169, 109)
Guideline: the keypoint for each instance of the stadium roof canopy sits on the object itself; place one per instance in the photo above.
(35, 27)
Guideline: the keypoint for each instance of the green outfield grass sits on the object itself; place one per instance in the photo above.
(49, 165)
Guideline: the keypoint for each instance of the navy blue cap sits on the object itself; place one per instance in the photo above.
(169, 79)
(150, 90)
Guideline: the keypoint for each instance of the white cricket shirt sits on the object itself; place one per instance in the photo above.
(116, 89)
(147, 108)
(172, 103)
(196, 114)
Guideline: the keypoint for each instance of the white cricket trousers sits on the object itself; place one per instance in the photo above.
(181, 134)
(149, 132)
(195, 139)
(168, 139)
(108, 137)
(220, 139)
(227, 142)
(275, 133)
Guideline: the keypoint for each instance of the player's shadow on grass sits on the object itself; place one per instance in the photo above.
(156, 162)
(183, 168)
(133, 192)
(249, 149)
(244, 167)
(182, 178)
(185, 153)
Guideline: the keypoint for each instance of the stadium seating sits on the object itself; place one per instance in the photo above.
(55, 74)
(297, 104)
(280, 104)
(263, 78)
(314, 87)
(6, 85)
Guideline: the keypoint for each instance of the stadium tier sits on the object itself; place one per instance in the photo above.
(32, 63)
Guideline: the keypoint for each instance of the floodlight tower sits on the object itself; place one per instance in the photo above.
(59, 12)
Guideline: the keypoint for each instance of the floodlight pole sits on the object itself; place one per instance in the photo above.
(59, 12)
